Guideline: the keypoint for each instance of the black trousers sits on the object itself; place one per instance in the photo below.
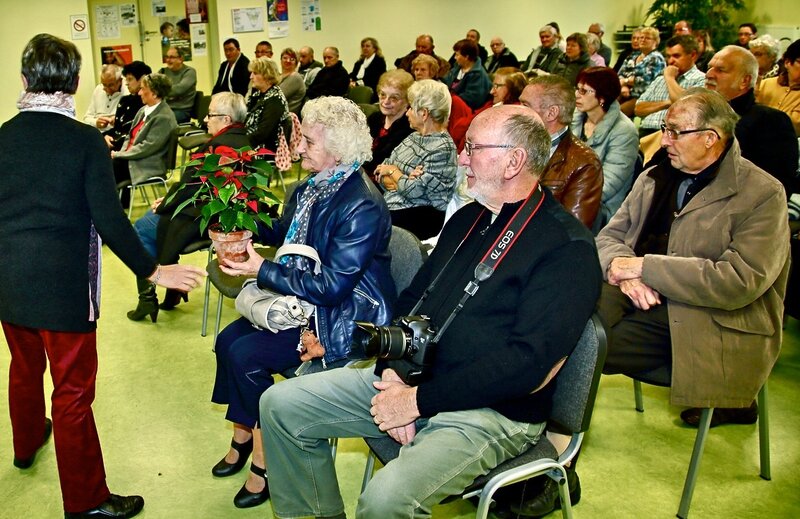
(638, 340)
(121, 174)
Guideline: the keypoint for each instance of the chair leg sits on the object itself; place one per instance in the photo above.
(130, 203)
(334, 443)
(763, 432)
(368, 470)
(637, 395)
(206, 297)
(694, 464)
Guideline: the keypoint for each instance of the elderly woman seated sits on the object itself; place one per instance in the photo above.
(341, 215)
(469, 79)
(783, 92)
(420, 174)
(640, 69)
(574, 59)
(766, 49)
(507, 85)
(144, 152)
(267, 108)
(389, 126)
(612, 136)
(163, 235)
(291, 82)
(425, 67)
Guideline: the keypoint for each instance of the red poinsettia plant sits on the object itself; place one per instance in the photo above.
(232, 187)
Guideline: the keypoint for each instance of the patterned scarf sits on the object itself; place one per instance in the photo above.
(320, 187)
(64, 104)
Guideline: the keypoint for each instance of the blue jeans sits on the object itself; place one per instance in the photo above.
(449, 451)
(146, 228)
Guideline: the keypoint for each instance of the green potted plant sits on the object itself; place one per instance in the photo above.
(232, 188)
(711, 15)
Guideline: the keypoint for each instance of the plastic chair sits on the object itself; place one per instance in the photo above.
(407, 257)
(152, 182)
(663, 377)
(360, 94)
(573, 403)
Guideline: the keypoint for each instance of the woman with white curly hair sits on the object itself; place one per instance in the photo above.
(341, 214)
(420, 174)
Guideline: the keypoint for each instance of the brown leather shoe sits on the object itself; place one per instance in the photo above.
(723, 415)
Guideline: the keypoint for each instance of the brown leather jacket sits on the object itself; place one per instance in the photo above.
(575, 177)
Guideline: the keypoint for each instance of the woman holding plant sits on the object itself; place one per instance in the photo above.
(164, 235)
(342, 216)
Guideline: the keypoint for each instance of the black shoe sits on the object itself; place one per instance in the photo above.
(115, 506)
(223, 469)
(548, 500)
(723, 415)
(246, 499)
(27, 462)
(172, 298)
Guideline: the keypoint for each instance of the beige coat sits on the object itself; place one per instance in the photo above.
(724, 278)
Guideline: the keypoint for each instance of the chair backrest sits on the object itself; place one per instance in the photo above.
(576, 385)
(170, 160)
(201, 104)
(360, 94)
(198, 96)
(407, 257)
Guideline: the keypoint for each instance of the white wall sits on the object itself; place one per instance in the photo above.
(344, 22)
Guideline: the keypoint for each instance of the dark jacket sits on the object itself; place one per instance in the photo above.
(127, 108)
(506, 59)
(473, 88)
(569, 69)
(574, 174)
(350, 231)
(382, 146)
(56, 182)
(330, 81)
(526, 317)
(240, 77)
(371, 75)
(546, 59)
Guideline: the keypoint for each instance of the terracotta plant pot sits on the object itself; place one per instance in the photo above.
(231, 246)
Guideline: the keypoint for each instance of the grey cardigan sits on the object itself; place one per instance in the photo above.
(147, 157)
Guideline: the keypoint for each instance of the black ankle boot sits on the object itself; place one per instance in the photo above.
(148, 301)
(172, 298)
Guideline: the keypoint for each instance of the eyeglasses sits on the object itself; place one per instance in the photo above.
(674, 134)
(470, 147)
(745, 34)
(391, 98)
(210, 115)
(583, 91)
(498, 85)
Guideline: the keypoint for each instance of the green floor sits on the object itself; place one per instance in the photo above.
(161, 435)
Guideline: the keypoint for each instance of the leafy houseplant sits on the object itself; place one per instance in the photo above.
(711, 15)
(231, 185)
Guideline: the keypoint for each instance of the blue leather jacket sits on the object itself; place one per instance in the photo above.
(350, 231)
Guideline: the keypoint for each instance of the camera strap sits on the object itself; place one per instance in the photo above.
(493, 257)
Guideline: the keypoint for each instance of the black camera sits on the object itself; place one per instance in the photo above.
(408, 345)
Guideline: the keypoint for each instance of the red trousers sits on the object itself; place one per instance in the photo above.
(73, 366)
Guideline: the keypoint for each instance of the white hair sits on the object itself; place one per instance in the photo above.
(344, 126)
(432, 96)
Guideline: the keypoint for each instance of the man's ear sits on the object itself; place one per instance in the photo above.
(516, 163)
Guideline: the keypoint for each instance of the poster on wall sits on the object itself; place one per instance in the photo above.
(278, 18)
(197, 11)
(79, 24)
(116, 55)
(159, 7)
(247, 19)
(107, 22)
(310, 17)
(127, 14)
(199, 40)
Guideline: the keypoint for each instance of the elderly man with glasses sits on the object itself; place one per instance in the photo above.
(184, 84)
(105, 98)
(696, 262)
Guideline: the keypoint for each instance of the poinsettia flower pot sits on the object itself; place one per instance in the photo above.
(231, 245)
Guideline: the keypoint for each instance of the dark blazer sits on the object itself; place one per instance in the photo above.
(147, 157)
(330, 81)
(382, 147)
(240, 77)
(506, 59)
(350, 231)
(127, 109)
(45, 226)
(372, 74)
